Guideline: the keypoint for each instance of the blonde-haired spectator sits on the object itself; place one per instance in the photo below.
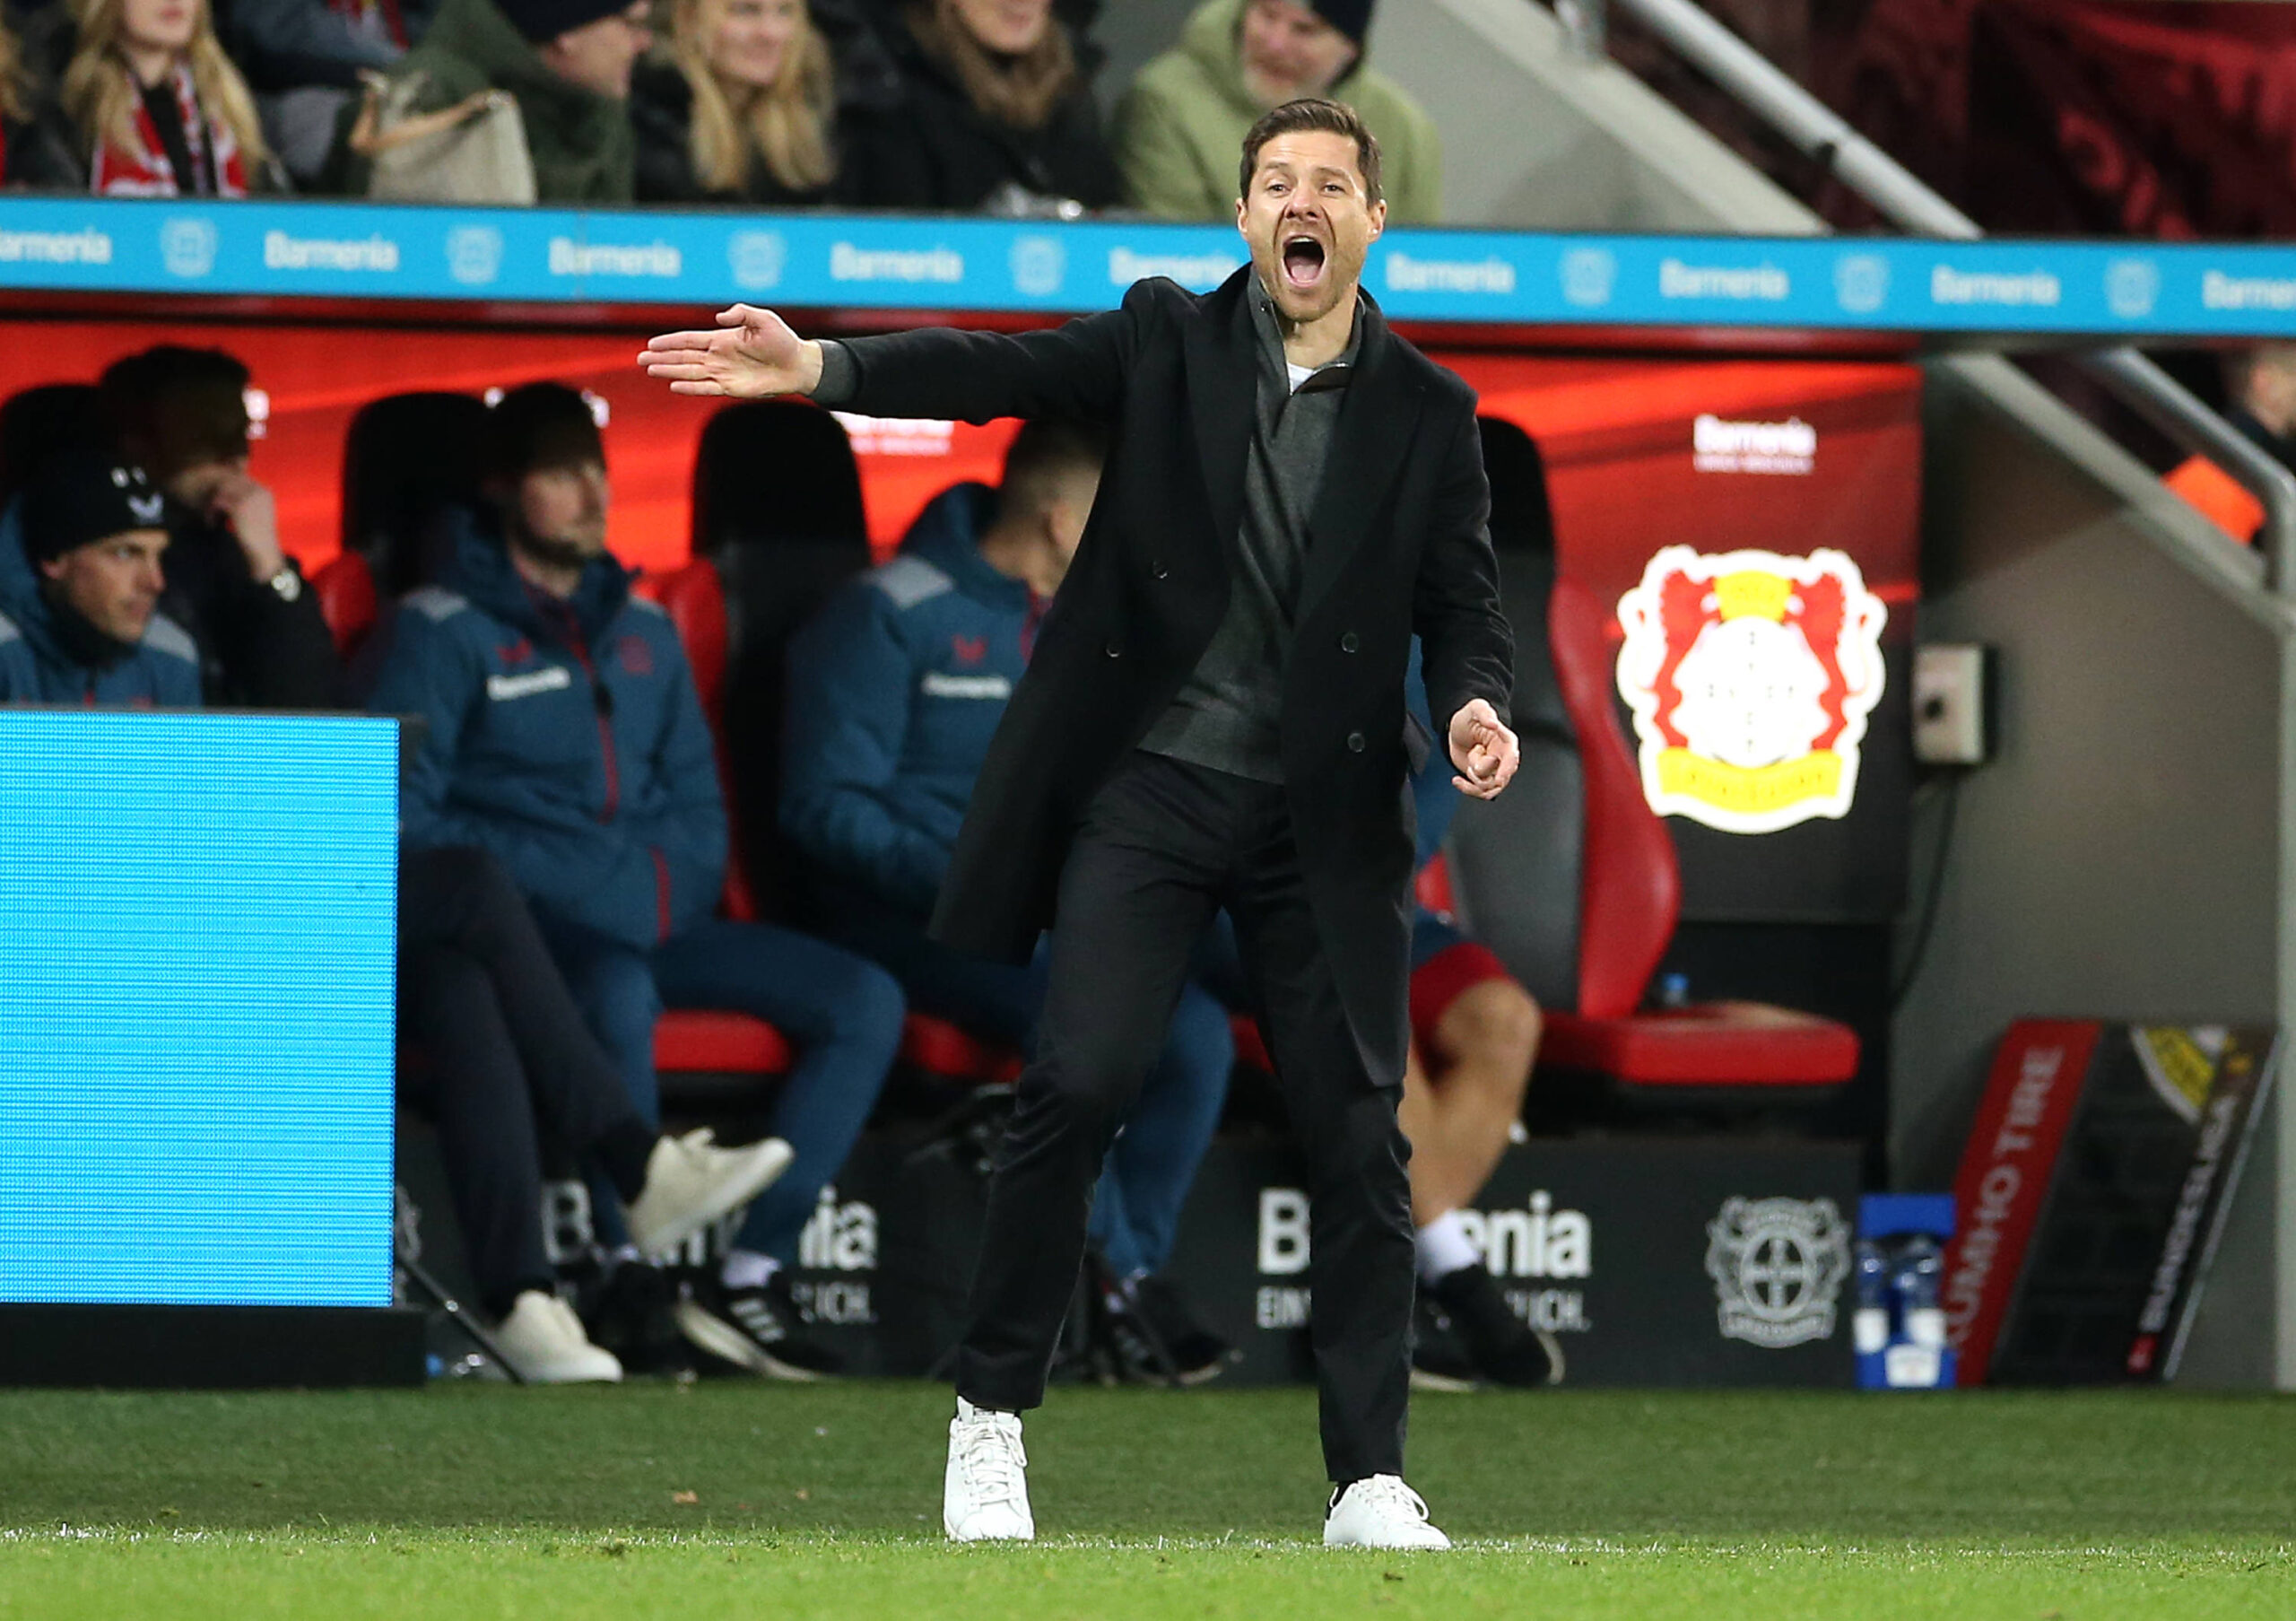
(737, 106)
(149, 106)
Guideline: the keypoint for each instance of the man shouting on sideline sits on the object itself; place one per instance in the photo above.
(1214, 715)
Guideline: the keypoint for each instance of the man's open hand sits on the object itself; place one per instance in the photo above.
(752, 356)
(1484, 750)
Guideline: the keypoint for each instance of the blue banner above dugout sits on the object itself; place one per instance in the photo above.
(646, 258)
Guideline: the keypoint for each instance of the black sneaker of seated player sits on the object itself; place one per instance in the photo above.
(1439, 1360)
(758, 1329)
(630, 1315)
(1503, 1348)
(1160, 1337)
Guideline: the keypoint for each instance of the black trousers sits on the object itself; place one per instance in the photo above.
(1164, 846)
(501, 1055)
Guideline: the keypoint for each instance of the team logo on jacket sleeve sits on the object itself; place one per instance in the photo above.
(1749, 675)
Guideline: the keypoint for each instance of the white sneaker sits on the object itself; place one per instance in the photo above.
(1380, 1511)
(985, 1497)
(543, 1341)
(691, 1183)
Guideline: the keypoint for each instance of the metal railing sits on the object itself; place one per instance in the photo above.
(1820, 133)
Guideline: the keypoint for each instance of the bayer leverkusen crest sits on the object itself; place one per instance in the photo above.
(1749, 675)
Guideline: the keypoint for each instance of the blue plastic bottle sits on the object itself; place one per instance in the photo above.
(1870, 1327)
(1919, 1277)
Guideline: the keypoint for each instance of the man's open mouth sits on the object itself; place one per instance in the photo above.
(1304, 261)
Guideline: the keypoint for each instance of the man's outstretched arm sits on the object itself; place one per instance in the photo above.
(1076, 369)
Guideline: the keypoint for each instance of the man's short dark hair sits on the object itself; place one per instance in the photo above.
(174, 407)
(1313, 112)
(1043, 453)
(539, 426)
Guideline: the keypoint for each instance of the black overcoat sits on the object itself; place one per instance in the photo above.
(1397, 544)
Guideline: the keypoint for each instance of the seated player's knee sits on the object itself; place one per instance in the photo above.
(869, 1008)
(1494, 1026)
(1202, 1037)
(616, 992)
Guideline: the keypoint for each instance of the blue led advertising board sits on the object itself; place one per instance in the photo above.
(196, 962)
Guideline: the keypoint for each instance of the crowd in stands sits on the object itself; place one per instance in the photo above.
(566, 848)
(941, 105)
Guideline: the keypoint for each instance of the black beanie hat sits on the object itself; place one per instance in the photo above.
(541, 425)
(542, 21)
(1349, 17)
(82, 498)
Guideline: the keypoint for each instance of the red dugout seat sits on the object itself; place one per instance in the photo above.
(348, 601)
(1630, 897)
(692, 1041)
(695, 1041)
(1572, 878)
(696, 599)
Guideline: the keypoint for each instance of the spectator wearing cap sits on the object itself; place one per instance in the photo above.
(145, 105)
(563, 733)
(1179, 127)
(182, 414)
(80, 586)
(994, 112)
(567, 64)
(740, 109)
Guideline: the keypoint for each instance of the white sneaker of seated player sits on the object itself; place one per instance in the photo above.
(985, 1495)
(543, 1341)
(1380, 1511)
(691, 1183)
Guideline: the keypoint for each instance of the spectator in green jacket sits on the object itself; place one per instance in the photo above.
(567, 62)
(1181, 125)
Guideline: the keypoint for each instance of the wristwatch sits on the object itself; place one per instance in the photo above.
(288, 583)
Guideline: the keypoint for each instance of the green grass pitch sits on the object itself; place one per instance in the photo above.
(787, 1503)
